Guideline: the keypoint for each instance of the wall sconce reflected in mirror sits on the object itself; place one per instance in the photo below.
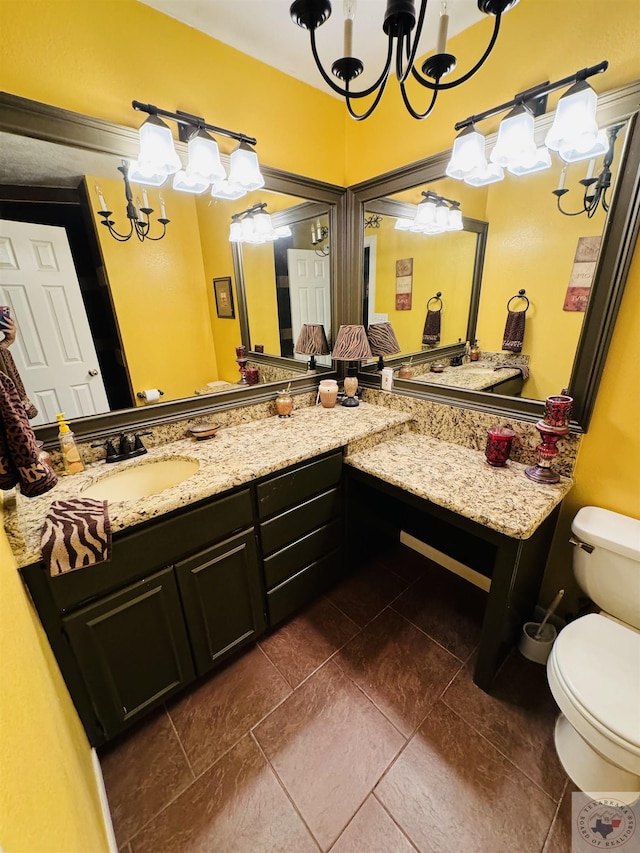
(434, 215)
(595, 188)
(139, 218)
(319, 235)
(254, 225)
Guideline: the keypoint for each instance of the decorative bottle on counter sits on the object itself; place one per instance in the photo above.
(284, 404)
(474, 352)
(73, 464)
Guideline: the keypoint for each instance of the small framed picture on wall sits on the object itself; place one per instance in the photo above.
(224, 298)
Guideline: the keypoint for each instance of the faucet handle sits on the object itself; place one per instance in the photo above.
(138, 445)
(112, 454)
(126, 445)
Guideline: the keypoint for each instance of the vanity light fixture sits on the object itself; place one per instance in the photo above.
(319, 235)
(399, 23)
(158, 159)
(574, 134)
(139, 217)
(595, 187)
(254, 225)
(434, 215)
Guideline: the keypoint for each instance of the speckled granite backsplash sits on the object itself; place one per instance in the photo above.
(468, 428)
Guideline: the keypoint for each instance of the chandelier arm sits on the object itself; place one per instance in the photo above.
(567, 212)
(411, 110)
(345, 93)
(155, 239)
(453, 83)
(121, 238)
(414, 49)
(371, 108)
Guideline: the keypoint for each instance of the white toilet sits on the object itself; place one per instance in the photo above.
(594, 666)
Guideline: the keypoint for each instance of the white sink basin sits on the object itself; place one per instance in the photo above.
(142, 481)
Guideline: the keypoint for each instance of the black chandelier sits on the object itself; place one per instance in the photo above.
(139, 218)
(595, 187)
(399, 24)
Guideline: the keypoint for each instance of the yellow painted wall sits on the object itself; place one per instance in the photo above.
(48, 798)
(532, 246)
(96, 57)
(159, 294)
(441, 262)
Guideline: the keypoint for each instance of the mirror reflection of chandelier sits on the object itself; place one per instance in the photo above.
(319, 238)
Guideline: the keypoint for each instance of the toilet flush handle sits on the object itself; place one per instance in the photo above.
(584, 545)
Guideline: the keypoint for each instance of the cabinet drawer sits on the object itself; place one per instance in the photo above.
(291, 559)
(283, 600)
(137, 554)
(132, 649)
(288, 490)
(222, 596)
(291, 525)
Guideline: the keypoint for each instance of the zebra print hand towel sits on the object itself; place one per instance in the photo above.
(76, 534)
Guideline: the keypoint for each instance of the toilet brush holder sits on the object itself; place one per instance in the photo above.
(537, 650)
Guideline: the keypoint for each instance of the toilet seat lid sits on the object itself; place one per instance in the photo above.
(599, 662)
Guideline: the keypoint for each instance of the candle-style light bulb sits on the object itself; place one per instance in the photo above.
(103, 203)
(443, 29)
(163, 212)
(590, 169)
(313, 234)
(563, 175)
(139, 211)
(145, 199)
(349, 8)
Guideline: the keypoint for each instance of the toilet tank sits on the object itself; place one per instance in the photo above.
(610, 573)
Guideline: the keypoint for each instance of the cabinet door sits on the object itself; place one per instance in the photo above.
(223, 598)
(132, 649)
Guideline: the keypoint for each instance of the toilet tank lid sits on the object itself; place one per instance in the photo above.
(607, 529)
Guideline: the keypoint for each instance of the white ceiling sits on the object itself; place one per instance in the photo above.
(264, 29)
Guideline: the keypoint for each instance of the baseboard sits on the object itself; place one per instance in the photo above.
(104, 803)
(446, 561)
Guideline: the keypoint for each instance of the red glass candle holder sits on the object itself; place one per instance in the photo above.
(241, 352)
(499, 441)
(557, 411)
(251, 375)
(258, 347)
(547, 451)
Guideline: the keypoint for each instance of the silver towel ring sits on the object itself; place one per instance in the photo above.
(435, 298)
(519, 295)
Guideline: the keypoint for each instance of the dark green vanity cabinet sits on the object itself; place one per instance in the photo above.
(178, 595)
(301, 533)
(183, 592)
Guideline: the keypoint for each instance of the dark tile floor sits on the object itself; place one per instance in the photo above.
(357, 728)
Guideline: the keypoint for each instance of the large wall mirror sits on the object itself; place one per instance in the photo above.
(166, 314)
(555, 259)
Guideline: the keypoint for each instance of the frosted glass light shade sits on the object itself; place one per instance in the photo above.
(245, 170)
(455, 220)
(262, 226)
(226, 190)
(283, 231)
(574, 122)
(515, 138)
(425, 215)
(573, 154)
(403, 224)
(487, 173)
(156, 147)
(528, 165)
(442, 217)
(188, 182)
(467, 154)
(204, 157)
(145, 173)
(235, 233)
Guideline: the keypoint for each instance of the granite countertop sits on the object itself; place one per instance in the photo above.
(460, 480)
(472, 377)
(236, 456)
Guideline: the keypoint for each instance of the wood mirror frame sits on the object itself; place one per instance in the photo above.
(618, 244)
(24, 117)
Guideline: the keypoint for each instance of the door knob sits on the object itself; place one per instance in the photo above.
(93, 372)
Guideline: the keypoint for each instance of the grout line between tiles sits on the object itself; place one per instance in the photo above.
(392, 817)
(429, 637)
(499, 751)
(184, 752)
(285, 790)
(555, 816)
